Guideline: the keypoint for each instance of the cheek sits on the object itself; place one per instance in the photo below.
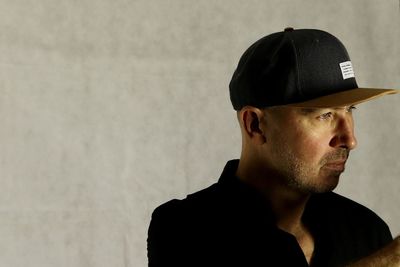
(311, 146)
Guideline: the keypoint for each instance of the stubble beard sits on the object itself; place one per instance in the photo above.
(307, 179)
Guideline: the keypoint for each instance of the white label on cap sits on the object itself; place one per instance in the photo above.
(347, 70)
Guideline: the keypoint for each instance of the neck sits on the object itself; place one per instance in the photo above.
(287, 204)
(288, 210)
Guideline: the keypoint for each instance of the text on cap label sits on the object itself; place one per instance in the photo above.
(347, 70)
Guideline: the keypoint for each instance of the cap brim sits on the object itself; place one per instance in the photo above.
(345, 98)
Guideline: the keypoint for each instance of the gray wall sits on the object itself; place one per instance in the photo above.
(109, 108)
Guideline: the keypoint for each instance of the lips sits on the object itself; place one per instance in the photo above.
(336, 165)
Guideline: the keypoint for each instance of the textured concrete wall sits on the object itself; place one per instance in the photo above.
(109, 108)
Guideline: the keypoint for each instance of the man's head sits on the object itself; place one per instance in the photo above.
(294, 92)
(305, 148)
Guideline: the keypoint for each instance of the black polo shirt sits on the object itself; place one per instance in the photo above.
(229, 224)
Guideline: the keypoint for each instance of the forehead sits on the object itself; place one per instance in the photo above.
(280, 110)
(290, 114)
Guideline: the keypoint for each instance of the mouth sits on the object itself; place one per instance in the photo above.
(336, 165)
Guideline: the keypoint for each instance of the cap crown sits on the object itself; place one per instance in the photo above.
(289, 67)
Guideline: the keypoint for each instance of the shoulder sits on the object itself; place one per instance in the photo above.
(177, 227)
(344, 207)
(193, 203)
(350, 217)
(350, 230)
(206, 211)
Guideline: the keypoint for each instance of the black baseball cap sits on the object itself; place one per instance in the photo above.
(304, 68)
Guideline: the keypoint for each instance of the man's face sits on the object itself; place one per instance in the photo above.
(308, 148)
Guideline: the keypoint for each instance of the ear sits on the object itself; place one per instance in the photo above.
(251, 119)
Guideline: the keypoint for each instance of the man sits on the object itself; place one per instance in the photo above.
(294, 93)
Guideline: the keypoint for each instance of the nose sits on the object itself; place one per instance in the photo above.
(344, 134)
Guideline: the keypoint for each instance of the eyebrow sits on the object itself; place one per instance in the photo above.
(313, 110)
(308, 110)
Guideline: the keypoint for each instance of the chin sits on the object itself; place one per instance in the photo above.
(319, 184)
(329, 185)
(315, 188)
(325, 189)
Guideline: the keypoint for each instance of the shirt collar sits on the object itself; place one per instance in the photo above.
(245, 198)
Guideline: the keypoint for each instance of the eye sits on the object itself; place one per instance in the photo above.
(351, 108)
(325, 116)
